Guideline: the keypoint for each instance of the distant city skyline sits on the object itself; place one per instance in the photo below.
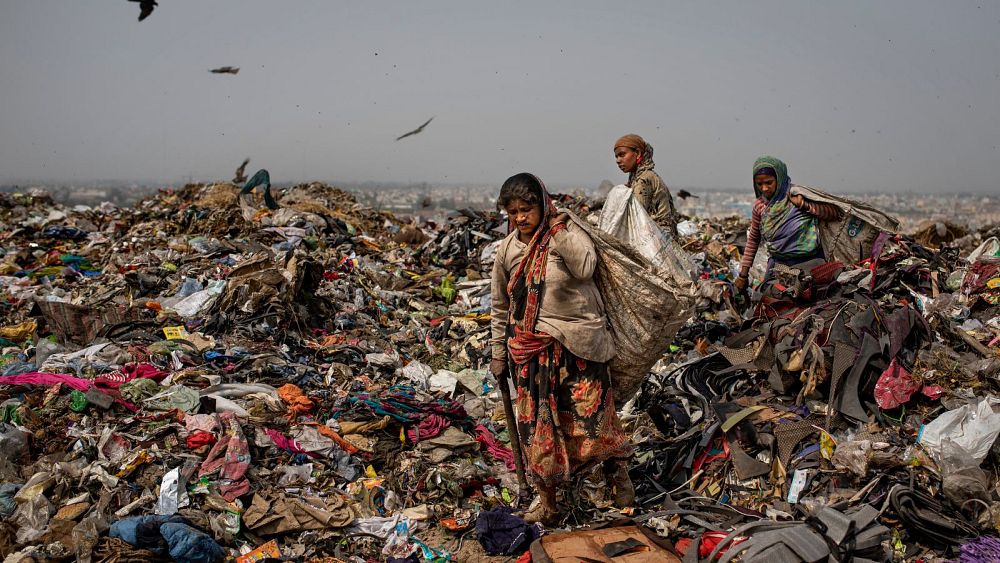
(913, 210)
(377, 184)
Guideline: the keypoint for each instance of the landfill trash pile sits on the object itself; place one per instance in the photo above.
(203, 377)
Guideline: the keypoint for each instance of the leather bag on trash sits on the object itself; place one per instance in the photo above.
(850, 238)
(645, 307)
(621, 544)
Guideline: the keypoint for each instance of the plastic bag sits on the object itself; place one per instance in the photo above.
(624, 219)
(189, 287)
(200, 300)
(972, 427)
(852, 456)
(645, 309)
(961, 477)
(13, 442)
(990, 248)
(33, 516)
(173, 495)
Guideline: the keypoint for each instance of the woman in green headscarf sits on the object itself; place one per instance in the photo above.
(788, 224)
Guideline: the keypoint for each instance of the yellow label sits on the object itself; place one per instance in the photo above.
(826, 445)
(175, 332)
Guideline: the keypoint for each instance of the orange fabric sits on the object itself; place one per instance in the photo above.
(329, 433)
(298, 403)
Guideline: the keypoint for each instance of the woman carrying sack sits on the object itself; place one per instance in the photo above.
(550, 331)
(634, 156)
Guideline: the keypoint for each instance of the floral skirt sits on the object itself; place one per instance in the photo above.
(566, 414)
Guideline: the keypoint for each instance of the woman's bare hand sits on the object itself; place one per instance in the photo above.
(498, 366)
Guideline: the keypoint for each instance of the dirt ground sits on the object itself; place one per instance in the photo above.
(470, 550)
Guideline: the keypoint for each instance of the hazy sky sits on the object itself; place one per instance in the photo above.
(897, 95)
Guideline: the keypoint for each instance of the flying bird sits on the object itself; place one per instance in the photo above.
(145, 8)
(241, 172)
(684, 194)
(415, 131)
(225, 70)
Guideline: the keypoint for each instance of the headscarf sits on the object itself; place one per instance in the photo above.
(634, 142)
(790, 233)
(645, 150)
(526, 286)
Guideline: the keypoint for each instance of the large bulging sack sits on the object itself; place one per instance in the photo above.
(850, 238)
(623, 218)
(645, 307)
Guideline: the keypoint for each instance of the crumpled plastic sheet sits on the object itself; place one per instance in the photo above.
(177, 397)
(971, 428)
(895, 386)
(33, 516)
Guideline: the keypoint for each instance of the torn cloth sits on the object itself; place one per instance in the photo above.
(41, 378)
(502, 533)
(498, 451)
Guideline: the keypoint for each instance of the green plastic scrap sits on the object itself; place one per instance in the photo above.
(78, 401)
(446, 290)
(897, 545)
(139, 389)
(9, 414)
(200, 487)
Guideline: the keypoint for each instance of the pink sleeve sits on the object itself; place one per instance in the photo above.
(753, 240)
(822, 211)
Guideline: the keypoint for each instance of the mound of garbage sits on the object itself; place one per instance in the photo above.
(199, 377)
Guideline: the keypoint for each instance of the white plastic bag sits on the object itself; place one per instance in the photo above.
(624, 218)
(989, 249)
(972, 428)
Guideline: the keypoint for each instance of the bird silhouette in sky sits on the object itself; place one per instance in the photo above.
(145, 8)
(415, 131)
(241, 172)
(684, 194)
(225, 70)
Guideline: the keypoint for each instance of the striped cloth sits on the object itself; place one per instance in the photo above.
(821, 211)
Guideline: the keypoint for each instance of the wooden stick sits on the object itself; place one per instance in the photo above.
(515, 436)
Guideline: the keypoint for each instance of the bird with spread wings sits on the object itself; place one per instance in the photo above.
(415, 131)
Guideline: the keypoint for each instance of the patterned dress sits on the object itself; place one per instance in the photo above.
(565, 405)
(566, 414)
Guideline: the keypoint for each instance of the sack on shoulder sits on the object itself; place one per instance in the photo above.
(850, 238)
(645, 307)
